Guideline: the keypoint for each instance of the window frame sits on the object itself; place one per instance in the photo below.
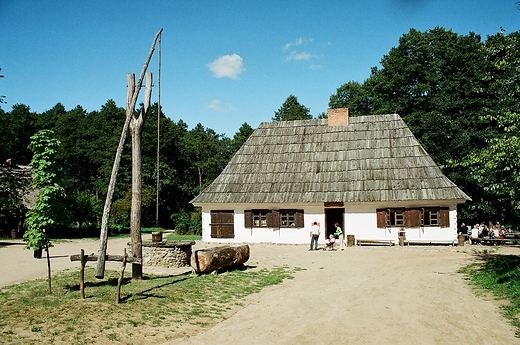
(262, 216)
(396, 217)
(288, 218)
(430, 216)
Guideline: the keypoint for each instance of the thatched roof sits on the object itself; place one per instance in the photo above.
(374, 158)
(16, 181)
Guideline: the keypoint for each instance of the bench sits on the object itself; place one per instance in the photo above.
(490, 241)
(360, 242)
(430, 242)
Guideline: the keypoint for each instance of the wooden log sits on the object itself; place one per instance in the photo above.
(207, 260)
(92, 257)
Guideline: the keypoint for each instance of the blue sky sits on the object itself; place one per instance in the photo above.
(223, 62)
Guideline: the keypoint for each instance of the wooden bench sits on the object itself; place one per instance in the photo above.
(490, 241)
(430, 242)
(360, 242)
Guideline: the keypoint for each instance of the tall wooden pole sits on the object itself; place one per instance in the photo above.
(136, 130)
(158, 129)
(131, 99)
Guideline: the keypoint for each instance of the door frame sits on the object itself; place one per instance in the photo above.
(333, 215)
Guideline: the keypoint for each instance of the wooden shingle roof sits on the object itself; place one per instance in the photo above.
(376, 158)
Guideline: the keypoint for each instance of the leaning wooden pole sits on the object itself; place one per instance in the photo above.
(131, 99)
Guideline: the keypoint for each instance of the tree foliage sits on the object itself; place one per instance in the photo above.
(457, 95)
(48, 209)
(497, 166)
(189, 161)
(291, 109)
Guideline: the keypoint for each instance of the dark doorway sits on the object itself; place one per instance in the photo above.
(332, 216)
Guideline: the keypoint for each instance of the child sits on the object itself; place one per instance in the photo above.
(330, 242)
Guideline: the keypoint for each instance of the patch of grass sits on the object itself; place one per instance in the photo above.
(499, 275)
(150, 230)
(177, 237)
(155, 304)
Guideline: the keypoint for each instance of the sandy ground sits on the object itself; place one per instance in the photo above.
(362, 295)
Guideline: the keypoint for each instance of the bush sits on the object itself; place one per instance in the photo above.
(188, 222)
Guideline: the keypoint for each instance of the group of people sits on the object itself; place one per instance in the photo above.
(333, 238)
(484, 231)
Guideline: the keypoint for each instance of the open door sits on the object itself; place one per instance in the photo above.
(332, 216)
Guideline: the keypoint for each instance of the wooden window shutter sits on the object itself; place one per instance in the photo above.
(381, 218)
(444, 217)
(274, 216)
(248, 219)
(413, 218)
(299, 219)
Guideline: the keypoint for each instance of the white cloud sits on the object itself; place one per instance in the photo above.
(300, 41)
(217, 105)
(298, 56)
(316, 66)
(227, 66)
(214, 104)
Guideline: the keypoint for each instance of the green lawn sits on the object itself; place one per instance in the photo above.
(168, 306)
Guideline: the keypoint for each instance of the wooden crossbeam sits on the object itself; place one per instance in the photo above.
(93, 257)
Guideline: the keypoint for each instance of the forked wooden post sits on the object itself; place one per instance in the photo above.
(120, 280)
(82, 275)
(85, 258)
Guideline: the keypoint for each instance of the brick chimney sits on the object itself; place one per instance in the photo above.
(338, 117)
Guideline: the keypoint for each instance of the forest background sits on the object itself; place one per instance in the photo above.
(457, 93)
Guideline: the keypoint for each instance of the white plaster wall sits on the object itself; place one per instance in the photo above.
(360, 220)
(312, 213)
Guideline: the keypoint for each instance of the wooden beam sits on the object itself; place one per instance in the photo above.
(92, 257)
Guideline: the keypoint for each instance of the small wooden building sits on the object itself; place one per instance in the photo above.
(368, 173)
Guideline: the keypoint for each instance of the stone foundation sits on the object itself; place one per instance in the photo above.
(167, 253)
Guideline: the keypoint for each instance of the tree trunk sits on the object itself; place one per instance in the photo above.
(136, 130)
(207, 260)
(131, 99)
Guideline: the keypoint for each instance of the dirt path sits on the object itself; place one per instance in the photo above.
(363, 295)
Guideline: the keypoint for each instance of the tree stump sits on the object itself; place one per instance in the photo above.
(207, 260)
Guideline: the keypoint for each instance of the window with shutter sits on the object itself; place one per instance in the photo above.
(260, 218)
(291, 218)
(381, 218)
(299, 219)
(444, 217)
(274, 218)
(222, 224)
(248, 219)
(430, 216)
(397, 216)
(413, 218)
(410, 218)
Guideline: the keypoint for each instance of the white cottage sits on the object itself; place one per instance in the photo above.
(368, 173)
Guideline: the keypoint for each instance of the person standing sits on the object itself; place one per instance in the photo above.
(315, 235)
(339, 234)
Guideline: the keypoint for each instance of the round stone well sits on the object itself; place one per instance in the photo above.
(167, 253)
